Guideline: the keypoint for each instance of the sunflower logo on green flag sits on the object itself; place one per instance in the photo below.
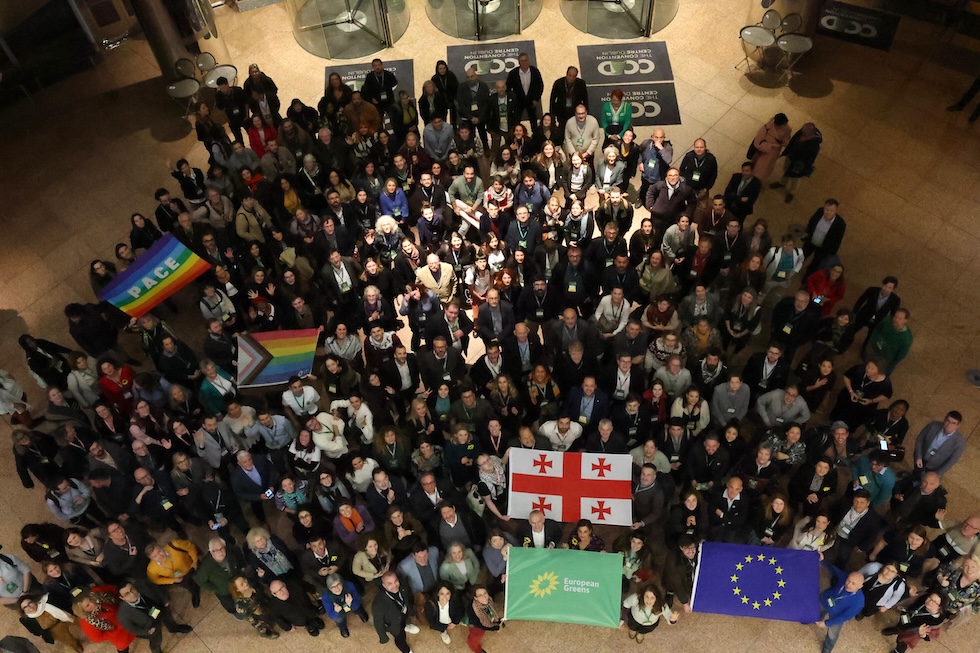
(578, 587)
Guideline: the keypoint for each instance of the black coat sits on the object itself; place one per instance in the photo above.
(742, 204)
(389, 617)
(866, 312)
(833, 239)
(535, 88)
(92, 332)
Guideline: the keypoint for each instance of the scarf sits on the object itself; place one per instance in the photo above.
(96, 619)
(384, 343)
(495, 480)
(487, 614)
(351, 523)
(56, 612)
(275, 560)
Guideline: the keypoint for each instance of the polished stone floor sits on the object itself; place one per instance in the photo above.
(83, 155)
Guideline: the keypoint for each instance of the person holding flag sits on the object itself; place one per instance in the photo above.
(839, 603)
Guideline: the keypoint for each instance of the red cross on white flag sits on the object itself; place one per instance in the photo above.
(571, 486)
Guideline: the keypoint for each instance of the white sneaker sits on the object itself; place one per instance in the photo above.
(411, 629)
(445, 638)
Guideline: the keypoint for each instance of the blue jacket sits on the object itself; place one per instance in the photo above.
(328, 601)
(396, 206)
(840, 605)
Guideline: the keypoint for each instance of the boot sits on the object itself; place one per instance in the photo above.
(959, 106)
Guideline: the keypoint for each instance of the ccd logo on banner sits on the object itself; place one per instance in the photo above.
(492, 66)
(617, 67)
(645, 109)
(847, 26)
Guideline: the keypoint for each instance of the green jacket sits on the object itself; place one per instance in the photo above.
(890, 345)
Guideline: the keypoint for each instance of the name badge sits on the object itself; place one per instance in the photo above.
(903, 567)
(727, 257)
(522, 243)
(632, 431)
(768, 532)
(332, 389)
(11, 587)
(619, 394)
(345, 287)
(446, 376)
(166, 504)
(218, 516)
(695, 176)
(674, 459)
(583, 419)
(572, 286)
(384, 95)
(781, 274)
(474, 107)
(904, 619)
(568, 103)
(780, 420)
(539, 313)
(788, 329)
(731, 410)
(609, 262)
(154, 613)
(863, 479)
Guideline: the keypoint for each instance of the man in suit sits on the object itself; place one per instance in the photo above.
(623, 378)
(384, 493)
(390, 611)
(824, 234)
(320, 559)
(453, 325)
(293, 607)
(503, 114)
(729, 512)
(539, 532)
(426, 497)
(146, 613)
(473, 102)
(441, 364)
(876, 304)
(342, 285)
(421, 569)
(438, 277)
(857, 527)
(794, 322)
(587, 405)
(254, 480)
(649, 502)
(669, 199)
(487, 367)
(401, 377)
(567, 93)
(527, 86)
(496, 319)
(605, 439)
(379, 86)
(939, 445)
(522, 351)
(742, 192)
(766, 370)
(561, 333)
(155, 500)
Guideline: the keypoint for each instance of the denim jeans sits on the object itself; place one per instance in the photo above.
(833, 632)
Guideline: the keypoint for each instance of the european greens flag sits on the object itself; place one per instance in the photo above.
(574, 587)
(757, 581)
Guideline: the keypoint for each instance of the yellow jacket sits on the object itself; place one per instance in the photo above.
(182, 560)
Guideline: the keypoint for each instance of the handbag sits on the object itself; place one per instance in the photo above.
(475, 501)
(752, 151)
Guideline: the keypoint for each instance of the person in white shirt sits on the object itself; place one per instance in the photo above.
(328, 434)
(612, 313)
(359, 415)
(361, 474)
(300, 400)
(561, 432)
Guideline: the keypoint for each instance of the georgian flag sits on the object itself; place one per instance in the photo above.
(571, 486)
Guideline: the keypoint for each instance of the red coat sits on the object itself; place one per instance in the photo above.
(819, 284)
(118, 637)
(119, 394)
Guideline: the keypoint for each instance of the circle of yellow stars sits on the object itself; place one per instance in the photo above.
(747, 600)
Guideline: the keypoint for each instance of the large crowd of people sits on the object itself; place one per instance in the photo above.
(486, 276)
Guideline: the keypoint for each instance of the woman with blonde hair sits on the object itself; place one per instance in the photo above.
(655, 278)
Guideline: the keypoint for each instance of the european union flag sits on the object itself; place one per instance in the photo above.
(757, 581)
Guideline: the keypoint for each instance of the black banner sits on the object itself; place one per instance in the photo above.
(492, 60)
(353, 74)
(624, 63)
(870, 27)
(653, 104)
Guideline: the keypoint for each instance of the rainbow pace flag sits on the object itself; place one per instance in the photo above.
(161, 271)
(271, 357)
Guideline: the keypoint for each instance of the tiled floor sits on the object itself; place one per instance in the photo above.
(88, 152)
